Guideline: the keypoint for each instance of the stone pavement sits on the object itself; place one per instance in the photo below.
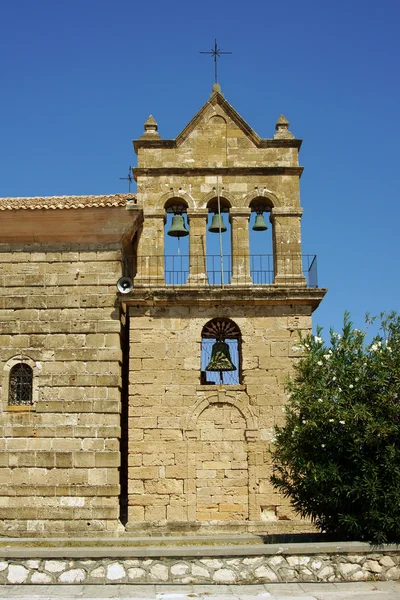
(385, 590)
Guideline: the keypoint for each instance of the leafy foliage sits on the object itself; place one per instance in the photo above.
(338, 455)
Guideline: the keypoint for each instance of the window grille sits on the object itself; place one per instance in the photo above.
(20, 387)
(227, 330)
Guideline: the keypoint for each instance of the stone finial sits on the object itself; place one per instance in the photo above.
(282, 129)
(151, 128)
(216, 89)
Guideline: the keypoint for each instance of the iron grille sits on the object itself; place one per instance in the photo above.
(20, 389)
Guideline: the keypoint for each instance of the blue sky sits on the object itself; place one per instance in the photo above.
(80, 77)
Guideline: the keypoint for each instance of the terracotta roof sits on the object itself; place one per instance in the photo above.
(54, 202)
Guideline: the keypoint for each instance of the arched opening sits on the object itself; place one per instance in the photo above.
(221, 353)
(261, 241)
(20, 385)
(219, 241)
(176, 242)
(221, 465)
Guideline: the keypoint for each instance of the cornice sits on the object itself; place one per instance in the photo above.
(248, 296)
(193, 171)
(262, 143)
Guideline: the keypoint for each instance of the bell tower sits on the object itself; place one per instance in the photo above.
(211, 333)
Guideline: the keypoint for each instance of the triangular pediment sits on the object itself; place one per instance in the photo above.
(217, 107)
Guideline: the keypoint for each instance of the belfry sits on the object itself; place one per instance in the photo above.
(151, 406)
(210, 349)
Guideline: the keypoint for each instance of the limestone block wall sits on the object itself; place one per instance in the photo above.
(200, 453)
(59, 458)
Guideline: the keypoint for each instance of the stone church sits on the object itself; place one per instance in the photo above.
(150, 407)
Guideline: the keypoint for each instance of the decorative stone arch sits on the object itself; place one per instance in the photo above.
(221, 398)
(263, 194)
(12, 362)
(230, 199)
(248, 435)
(184, 197)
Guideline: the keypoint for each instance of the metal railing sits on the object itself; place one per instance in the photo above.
(192, 271)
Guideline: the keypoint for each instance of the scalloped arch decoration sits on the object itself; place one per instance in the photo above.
(201, 406)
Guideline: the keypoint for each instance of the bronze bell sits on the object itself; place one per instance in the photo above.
(259, 223)
(220, 358)
(178, 228)
(217, 224)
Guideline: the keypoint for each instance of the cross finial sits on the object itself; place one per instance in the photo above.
(129, 178)
(215, 53)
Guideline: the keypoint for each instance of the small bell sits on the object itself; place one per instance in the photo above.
(259, 223)
(220, 358)
(217, 224)
(178, 228)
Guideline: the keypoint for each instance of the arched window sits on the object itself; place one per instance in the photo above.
(176, 242)
(219, 246)
(261, 241)
(20, 385)
(221, 353)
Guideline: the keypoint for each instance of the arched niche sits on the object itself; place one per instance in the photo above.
(261, 243)
(219, 264)
(220, 398)
(176, 248)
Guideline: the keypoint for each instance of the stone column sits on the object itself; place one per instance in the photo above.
(288, 267)
(239, 219)
(150, 252)
(197, 247)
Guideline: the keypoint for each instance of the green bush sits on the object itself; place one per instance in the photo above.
(338, 456)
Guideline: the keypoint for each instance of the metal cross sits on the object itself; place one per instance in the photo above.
(215, 53)
(129, 178)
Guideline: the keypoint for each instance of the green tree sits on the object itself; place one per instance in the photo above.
(338, 455)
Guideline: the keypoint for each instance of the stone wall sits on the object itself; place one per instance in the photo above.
(59, 458)
(316, 567)
(200, 453)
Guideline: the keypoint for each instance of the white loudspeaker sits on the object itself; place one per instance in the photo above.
(125, 285)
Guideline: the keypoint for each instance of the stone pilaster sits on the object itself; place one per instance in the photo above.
(240, 246)
(150, 256)
(287, 247)
(197, 247)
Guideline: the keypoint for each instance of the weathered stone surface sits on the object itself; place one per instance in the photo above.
(198, 571)
(98, 572)
(41, 578)
(347, 569)
(266, 573)
(393, 573)
(136, 573)
(213, 563)
(261, 569)
(325, 573)
(276, 561)
(386, 561)
(72, 576)
(17, 574)
(115, 571)
(373, 566)
(180, 569)
(159, 572)
(54, 566)
(224, 576)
